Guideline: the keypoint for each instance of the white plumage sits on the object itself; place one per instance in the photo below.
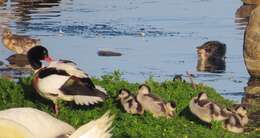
(37, 124)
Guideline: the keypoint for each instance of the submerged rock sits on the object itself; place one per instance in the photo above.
(108, 53)
(211, 57)
(251, 48)
(251, 1)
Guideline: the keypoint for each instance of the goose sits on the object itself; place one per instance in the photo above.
(33, 123)
(129, 102)
(62, 80)
(18, 43)
(154, 104)
(206, 110)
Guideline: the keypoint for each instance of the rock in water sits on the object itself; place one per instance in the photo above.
(108, 53)
(251, 1)
(251, 48)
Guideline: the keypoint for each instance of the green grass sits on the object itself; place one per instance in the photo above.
(183, 125)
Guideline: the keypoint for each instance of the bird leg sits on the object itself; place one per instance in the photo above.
(56, 108)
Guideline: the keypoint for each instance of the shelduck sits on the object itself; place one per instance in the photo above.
(33, 123)
(62, 80)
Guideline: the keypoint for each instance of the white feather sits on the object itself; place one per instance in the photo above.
(99, 128)
(101, 89)
(86, 100)
(69, 68)
(39, 123)
(51, 84)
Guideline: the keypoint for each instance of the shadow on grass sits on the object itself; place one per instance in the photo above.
(189, 116)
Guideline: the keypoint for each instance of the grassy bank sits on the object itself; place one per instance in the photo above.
(183, 125)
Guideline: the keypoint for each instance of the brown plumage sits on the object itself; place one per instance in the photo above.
(129, 102)
(153, 104)
(206, 110)
(212, 50)
(18, 43)
(237, 119)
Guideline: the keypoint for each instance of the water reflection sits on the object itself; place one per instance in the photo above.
(18, 61)
(252, 99)
(242, 15)
(213, 66)
(211, 57)
(27, 10)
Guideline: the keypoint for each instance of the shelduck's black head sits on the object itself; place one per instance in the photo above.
(36, 54)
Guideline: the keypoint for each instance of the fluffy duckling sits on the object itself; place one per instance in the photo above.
(18, 43)
(241, 111)
(212, 50)
(129, 102)
(237, 120)
(206, 110)
(153, 104)
(62, 80)
(33, 123)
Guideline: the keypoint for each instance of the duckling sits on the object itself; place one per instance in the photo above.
(241, 111)
(18, 43)
(153, 104)
(206, 110)
(212, 50)
(233, 124)
(129, 102)
(33, 123)
(236, 120)
(63, 80)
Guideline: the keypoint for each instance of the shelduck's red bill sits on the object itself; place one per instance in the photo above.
(48, 59)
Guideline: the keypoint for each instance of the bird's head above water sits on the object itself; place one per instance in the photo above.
(36, 54)
(7, 33)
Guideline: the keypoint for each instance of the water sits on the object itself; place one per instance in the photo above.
(157, 38)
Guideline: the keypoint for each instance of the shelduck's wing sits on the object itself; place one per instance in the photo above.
(67, 62)
(68, 66)
(83, 91)
(100, 128)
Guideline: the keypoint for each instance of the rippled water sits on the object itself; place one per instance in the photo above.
(156, 37)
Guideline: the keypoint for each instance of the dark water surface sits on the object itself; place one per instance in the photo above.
(156, 37)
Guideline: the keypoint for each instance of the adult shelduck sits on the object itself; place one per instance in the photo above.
(62, 80)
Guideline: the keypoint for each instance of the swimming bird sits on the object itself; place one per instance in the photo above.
(18, 43)
(212, 50)
(206, 110)
(33, 123)
(154, 104)
(62, 80)
(129, 102)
